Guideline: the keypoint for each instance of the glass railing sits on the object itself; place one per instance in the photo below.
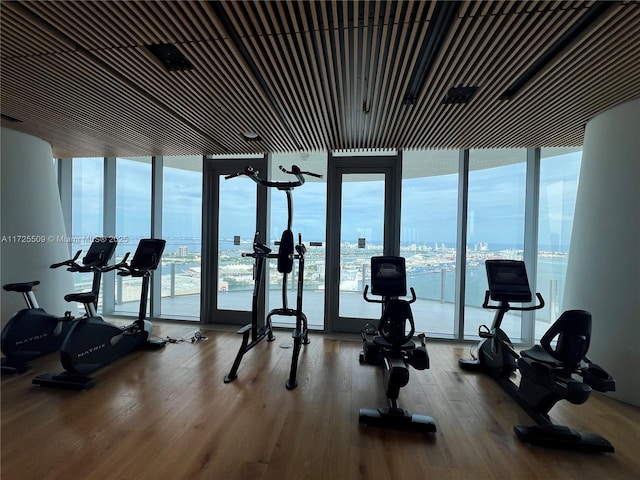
(432, 275)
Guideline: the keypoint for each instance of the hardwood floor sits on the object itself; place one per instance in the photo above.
(168, 415)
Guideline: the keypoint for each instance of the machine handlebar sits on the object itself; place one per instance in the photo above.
(250, 172)
(72, 265)
(372, 300)
(504, 303)
(123, 266)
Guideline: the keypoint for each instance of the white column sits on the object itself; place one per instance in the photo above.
(30, 211)
(603, 274)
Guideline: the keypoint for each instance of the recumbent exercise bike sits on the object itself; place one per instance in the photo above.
(32, 332)
(93, 343)
(391, 345)
(547, 370)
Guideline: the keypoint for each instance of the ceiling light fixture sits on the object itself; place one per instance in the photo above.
(444, 15)
(251, 136)
(594, 12)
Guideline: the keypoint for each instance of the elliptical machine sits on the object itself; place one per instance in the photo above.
(547, 370)
(392, 347)
(32, 332)
(285, 257)
(93, 343)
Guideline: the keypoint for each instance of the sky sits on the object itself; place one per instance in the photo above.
(429, 205)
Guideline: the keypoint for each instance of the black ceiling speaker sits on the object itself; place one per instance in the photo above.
(459, 95)
(10, 119)
(169, 55)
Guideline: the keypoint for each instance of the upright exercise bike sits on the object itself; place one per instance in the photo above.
(392, 347)
(93, 343)
(32, 332)
(286, 258)
(548, 371)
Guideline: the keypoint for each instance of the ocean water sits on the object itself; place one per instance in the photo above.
(429, 283)
(429, 286)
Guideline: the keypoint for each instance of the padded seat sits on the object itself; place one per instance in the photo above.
(22, 287)
(547, 369)
(573, 333)
(285, 252)
(551, 367)
(84, 298)
(384, 343)
(538, 354)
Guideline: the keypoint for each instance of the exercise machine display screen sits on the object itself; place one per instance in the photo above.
(508, 280)
(388, 276)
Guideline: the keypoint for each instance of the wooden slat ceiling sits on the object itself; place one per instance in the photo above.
(310, 76)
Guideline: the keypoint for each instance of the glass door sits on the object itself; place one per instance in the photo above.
(309, 205)
(234, 215)
(364, 216)
(361, 237)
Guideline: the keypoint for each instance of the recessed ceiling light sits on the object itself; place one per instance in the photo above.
(251, 136)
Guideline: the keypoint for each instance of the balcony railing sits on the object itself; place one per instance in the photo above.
(434, 310)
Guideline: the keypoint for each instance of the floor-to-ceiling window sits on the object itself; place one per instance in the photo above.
(428, 232)
(87, 212)
(182, 230)
(559, 172)
(121, 203)
(495, 228)
(133, 222)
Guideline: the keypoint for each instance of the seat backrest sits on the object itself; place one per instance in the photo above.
(393, 323)
(285, 252)
(573, 332)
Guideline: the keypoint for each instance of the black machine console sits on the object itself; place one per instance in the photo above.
(388, 276)
(100, 252)
(508, 281)
(147, 255)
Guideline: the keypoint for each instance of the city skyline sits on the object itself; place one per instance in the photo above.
(429, 205)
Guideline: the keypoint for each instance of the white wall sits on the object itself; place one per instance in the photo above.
(603, 274)
(30, 205)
